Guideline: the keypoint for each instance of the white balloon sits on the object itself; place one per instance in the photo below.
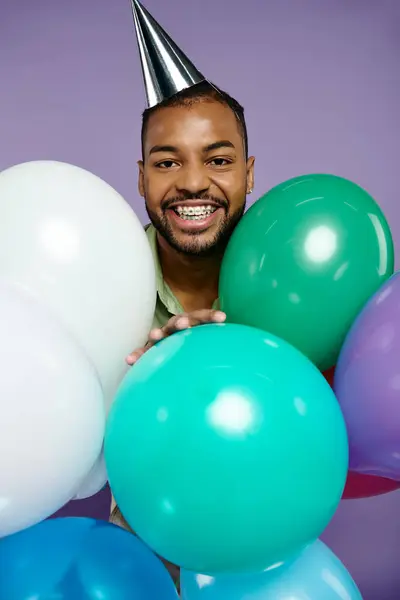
(52, 414)
(72, 240)
(94, 481)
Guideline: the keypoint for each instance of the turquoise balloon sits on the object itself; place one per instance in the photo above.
(226, 449)
(315, 574)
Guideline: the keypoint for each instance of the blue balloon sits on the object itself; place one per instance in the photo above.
(314, 574)
(80, 559)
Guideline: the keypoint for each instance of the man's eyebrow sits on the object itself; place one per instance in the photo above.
(208, 148)
(217, 145)
(155, 149)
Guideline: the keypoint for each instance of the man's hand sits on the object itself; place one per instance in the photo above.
(177, 323)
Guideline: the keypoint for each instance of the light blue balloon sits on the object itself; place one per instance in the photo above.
(315, 574)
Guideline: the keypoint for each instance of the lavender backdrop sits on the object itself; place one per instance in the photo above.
(320, 81)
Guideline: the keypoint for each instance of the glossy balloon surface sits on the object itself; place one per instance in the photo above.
(80, 559)
(224, 438)
(367, 384)
(316, 574)
(357, 484)
(304, 260)
(72, 241)
(52, 415)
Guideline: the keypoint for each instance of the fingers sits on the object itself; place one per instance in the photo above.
(186, 320)
(155, 336)
(134, 356)
(207, 316)
(177, 323)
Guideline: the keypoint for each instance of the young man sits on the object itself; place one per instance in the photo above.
(194, 176)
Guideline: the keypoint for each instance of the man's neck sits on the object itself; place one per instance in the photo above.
(193, 280)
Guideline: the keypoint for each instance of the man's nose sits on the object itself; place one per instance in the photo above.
(193, 179)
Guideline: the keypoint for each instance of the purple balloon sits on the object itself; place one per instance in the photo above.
(367, 384)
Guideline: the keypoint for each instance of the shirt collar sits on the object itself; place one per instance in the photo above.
(165, 294)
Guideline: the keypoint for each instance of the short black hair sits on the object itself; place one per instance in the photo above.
(201, 91)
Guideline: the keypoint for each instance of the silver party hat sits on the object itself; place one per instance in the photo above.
(166, 69)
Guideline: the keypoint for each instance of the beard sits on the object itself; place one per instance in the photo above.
(197, 243)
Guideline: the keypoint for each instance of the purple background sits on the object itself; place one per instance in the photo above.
(320, 81)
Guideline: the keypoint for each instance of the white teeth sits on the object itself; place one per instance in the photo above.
(195, 213)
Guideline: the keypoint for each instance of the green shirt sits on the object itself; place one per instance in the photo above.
(167, 305)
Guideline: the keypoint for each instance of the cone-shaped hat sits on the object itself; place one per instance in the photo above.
(166, 69)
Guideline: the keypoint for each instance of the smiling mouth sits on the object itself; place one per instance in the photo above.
(195, 213)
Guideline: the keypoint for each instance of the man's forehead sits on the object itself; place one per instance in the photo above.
(196, 124)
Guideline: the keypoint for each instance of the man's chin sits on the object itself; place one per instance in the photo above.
(203, 241)
(195, 244)
(194, 238)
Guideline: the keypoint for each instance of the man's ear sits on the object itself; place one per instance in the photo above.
(250, 174)
(141, 178)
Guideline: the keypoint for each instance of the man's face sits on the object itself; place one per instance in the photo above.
(195, 175)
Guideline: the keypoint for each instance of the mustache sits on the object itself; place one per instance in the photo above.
(185, 197)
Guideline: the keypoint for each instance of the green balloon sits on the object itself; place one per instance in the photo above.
(226, 449)
(304, 260)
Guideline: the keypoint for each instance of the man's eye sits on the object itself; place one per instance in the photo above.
(220, 162)
(166, 164)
